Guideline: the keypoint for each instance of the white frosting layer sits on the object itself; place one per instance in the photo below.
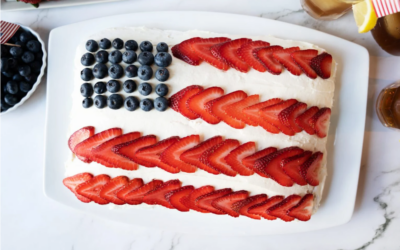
(316, 92)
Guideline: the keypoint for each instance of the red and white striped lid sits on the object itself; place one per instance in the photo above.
(7, 30)
(386, 7)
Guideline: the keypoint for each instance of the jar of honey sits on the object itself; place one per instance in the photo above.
(388, 106)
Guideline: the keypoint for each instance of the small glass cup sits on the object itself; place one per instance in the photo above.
(388, 106)
(326, 9)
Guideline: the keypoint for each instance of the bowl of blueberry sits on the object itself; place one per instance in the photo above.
(22, 68)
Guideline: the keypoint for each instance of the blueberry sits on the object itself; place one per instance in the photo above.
(146, 58)
(12, 87)
(162, 47)
(145, 88)
(102, 56)
(25, 87)
(28, 57)
(146, 46)
(100, 88)
(115, 71)
(31, 78)
(25, 36)
(11, 99)
(86, 74)
(16, 51)
(146, 104)
(87, 102)
(105, 43)
(33, 46)
(21, 44)
(145, 72)
(92, 46)
(162, 74)
(115, 56)
(12, 63)
(86, 90)
(113, 86)
(129, 86)
(8, 73)
(39, 56)
(24, 70)
(161, 103)
(100, 101)
(100, 70)
(163, 59)
(115, 101)
(4, 64)
(36, 66)
(131, 45)
(129, 56)
(15, 37)
(87, 59)
(131, 103)
(131, 71)
(161, 89)
(4, 105)
(118, 43)
(17, 77)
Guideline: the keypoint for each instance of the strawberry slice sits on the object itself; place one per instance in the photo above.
(234, 159)
(271, 115)
(129, 149)
(79, 136)
(73, 181)
(265, 55)
(250, 160)
(186, 53)
(246, 52)
(217, 108)
(175, 197)
(284, 58)
(131, 186)
(215, 51)
(105, 156)
(192, 156)
(253, 113)
(320, 122)
(176, 52)
(303, 210)
(310, 169)
(302, 120)
(235, 110)
(110, 190)
(291, 166)
(288, 116)
(197, 103)
(91, 188)
(229, 51)
(260, 209)
(172, 154)
(138, 191)
(157, 196)
(215, 156)
(205, 201)
(202, 48)
(225, 203)
(322, 65)
(280, 210)
(189, 201)
(179, 101)
(153, 152)
(242, 206)
(303, 60)
(84, 148)
(271, 165)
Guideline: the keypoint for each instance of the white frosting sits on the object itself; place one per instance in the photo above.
(317, 92)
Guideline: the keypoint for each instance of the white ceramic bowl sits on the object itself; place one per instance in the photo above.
(38, 80)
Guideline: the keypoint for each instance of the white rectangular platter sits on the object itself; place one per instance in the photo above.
(13, 5)
(345, 137)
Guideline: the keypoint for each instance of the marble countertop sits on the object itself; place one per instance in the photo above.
(30, 220)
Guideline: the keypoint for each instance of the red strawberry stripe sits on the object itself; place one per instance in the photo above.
(73, 181)
(225, 203)
(205, 201)
(235, 157)
(186, 52)
(179, 101)
(242, 206)
(249, 161)
(291, 166)
(284, 58)
(229, 51)
(311, 168)
(235, 110)
(246, 52)
(280, 210)
(91, 188)
(79, 136)
(197, 103)
(129, 149)
(202, 48)
(157, 196)
(265, 55)
(190, 200)
(303, 60)
(302, 120)
(136, 195)
(110, 190)
(175, 197)
(303, 210)
(288, 116)
(125, 193)
(261, 208)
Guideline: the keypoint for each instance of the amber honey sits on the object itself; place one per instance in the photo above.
(325, 9)
(388, 106)
(387, 33)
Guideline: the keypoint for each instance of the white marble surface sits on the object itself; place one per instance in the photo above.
(29, 220)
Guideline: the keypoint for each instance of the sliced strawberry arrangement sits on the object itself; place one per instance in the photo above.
(284, 58)
(79, 136)
(110, 190)
(303, 60)
(250, 160)
(280, 210)
(291, 166)
(205, 201)
(242, 206)
(202, 48)
(322, 65)
(192, 155)
(253, 113)
(124, 193)
(175, 197)
(197, 103)
(229, 51)
(265, 55)
(129, 149)
(235, 110)
(179, 100)
(302, 120)
(310, 169)
(303, 210)
(104, 155)
(320, 122)
(73, 181)
(157, 196)
(172, 154)
(260, 209)
(288, 116)
(235, 157)
(271, 115)
(225, 203)
(84, 148)
(246, 52)
(190, 200)
(153, 152)
(91, 188)
(186, 53)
